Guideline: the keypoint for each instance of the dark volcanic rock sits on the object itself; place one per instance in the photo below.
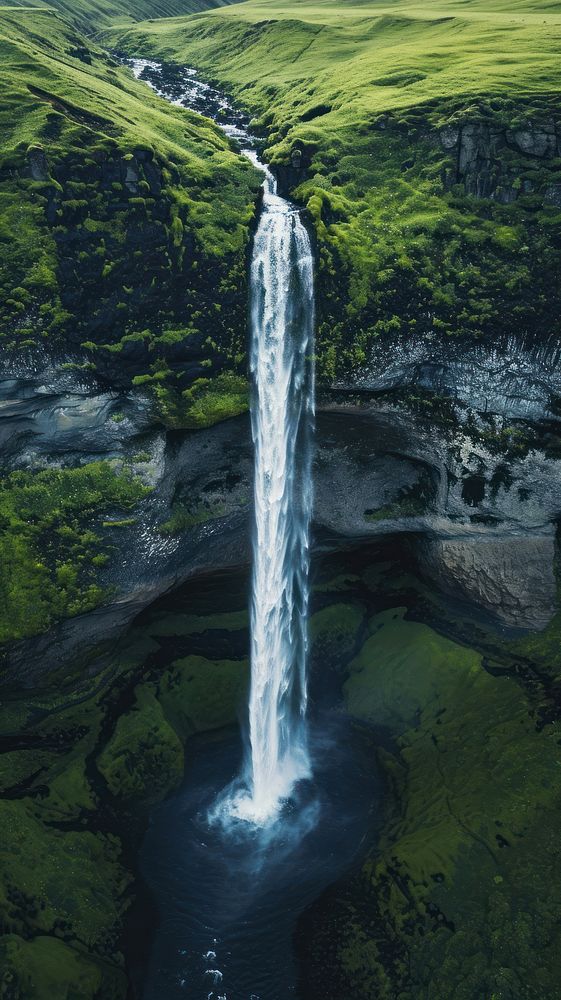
(474, 480)
(483, 157)
(511, 577)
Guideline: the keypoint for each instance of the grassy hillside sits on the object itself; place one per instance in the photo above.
(124, 224)
(90, 15)
(425, 143)
(123, 221)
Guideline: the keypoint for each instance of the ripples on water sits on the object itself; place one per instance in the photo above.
(229, 898)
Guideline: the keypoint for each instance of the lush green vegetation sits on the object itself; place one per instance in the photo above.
(123, 221)
(423, 227)
(51, 548)
(91, 15)
(457, 899)
(124, 225)
(205, 402)
(478, 794)
(82, 753)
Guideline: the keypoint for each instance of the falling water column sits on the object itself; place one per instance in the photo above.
(282, 325)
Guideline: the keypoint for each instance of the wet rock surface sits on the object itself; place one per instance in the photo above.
(512, 578)
(460, 452)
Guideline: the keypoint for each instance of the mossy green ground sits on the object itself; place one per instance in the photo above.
(51, 546)
(46, 967)
(460, 897)
(89, 749)
(361, 91)
(334, 632)
(124, 223)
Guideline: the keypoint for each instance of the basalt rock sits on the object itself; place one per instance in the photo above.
(289, 175)
(37, 163)
(490, 159)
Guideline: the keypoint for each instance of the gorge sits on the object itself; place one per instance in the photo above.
(279, 625)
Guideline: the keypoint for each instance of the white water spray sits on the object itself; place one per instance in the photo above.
(282, 325)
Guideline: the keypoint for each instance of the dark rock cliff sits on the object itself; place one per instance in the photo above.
(497, 162)
(459, 454)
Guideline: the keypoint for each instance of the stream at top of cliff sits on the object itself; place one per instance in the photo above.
(257, 832)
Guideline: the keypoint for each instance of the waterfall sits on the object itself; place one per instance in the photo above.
(282, 414)
(282, 419)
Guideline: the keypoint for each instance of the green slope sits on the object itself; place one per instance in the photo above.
(90, 15)
(124, 224)
(375, 100)
(122, 220)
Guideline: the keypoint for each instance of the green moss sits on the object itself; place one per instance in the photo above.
(183, 518)
(206, 402)
(335, 632)
(138, 223)
(64, 886)
(337, 584)
(143, 760)
(401, 508)
(47, 547)
(53, 880)
(125, 522)
(472, 839)
(46, 967)
(197, 694)
(405, 665)
(185, 624)
(212, 400)
(402, 249)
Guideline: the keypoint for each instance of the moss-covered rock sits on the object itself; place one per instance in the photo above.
(95, 751)
(433, 189)
(197, 694)
(124, 224)
(405, 668)
(143, 760)
(60, 881)
(335, 632)
(46, 967)
(460, 899)
(48, 548)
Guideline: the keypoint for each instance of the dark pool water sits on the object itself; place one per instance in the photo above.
(228, 899)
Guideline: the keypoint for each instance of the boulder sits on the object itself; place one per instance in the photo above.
(511, 578)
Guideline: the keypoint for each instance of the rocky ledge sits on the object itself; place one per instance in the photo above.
(461, 457)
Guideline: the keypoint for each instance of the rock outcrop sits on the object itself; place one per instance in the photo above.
(459, 453)
(511, 577)
(486, 166)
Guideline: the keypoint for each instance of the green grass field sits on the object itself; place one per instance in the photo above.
(362, 91)
(369, 57)
(90, 15)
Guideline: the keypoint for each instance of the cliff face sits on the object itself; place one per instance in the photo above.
(460, 456)
(504, 163)
(128, 472)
